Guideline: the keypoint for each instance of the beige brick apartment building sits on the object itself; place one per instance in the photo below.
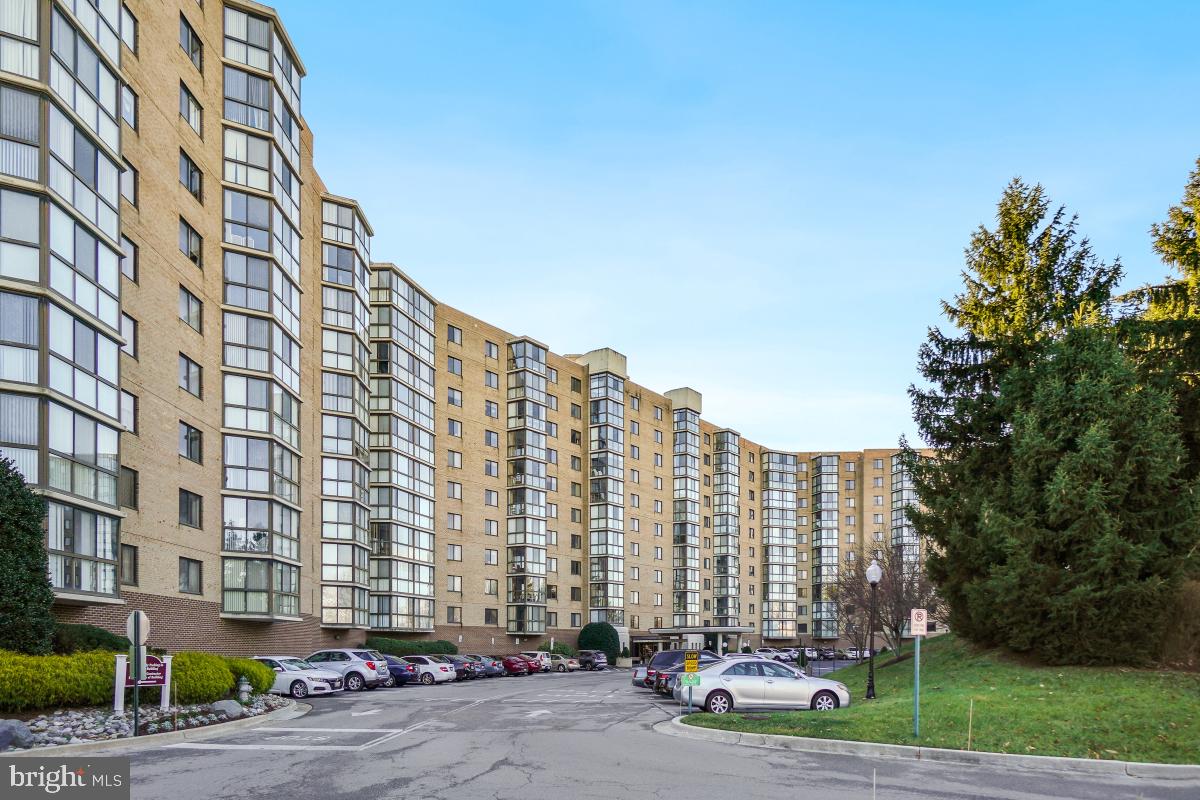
(245, 427)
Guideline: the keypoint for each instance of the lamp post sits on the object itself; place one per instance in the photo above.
(874, 575)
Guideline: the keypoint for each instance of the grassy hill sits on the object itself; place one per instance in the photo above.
(1086, 712)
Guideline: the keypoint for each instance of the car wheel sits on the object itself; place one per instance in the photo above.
(390, 682)
(426, 678)
(562, 668)
(719, 703)
(299, 690)
(825, 701)
(354, 682)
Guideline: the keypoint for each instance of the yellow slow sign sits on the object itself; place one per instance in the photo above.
(691, 661)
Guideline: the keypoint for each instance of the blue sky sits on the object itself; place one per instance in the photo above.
(764, 201)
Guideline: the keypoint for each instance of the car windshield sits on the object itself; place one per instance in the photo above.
(295, 664)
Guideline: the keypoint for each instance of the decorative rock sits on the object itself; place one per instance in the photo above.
(230, 708)
(15, 733)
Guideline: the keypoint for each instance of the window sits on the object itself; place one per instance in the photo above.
(129, 411)
(247, 220)
(576, 593)
(576, 620)
(491, 557)
(635, 548)
(129, 106)
(129, 184)
(129, 259)
(191, 507)
(454, 583)
(454, 615)
(491, 379)
(491, 438)
(247, 99)
(491, 527)
(189, 576)
(127, 488)
(454, 490)
(491, 409)
(190, 42)
(129, 332)
(454, 427)
(658, 412)
(454, 397)
(576, 385)
(491, 616)
(849, 483)
(129, 28)
(552, 374)
(454, 552)
(190, 308)
(454, 459)
(576, 541)
(635, 597)
(190, 243)
(454, 365)
(453, 334)
(454, 522)
(576, 567)
(552, 566)
(127, 568)
(634, 428)
(491, 350)
(191, 443)
(491, 497)
(189, 375)
(192, 112)
(576, 411)
(190, 175)
(248, 40)
(877, 464)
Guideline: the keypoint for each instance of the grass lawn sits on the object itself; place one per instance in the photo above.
(1086, 712)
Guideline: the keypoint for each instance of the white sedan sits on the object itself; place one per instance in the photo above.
(298, 678)
(430, 671)
(760, 683)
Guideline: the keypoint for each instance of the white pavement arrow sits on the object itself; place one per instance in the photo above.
(536, 713)
(364, 713)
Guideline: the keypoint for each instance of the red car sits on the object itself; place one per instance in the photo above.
(513, 665)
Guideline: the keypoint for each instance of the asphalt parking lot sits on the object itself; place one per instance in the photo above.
(577, 735)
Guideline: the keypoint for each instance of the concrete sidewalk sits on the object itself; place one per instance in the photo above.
(1134, 769)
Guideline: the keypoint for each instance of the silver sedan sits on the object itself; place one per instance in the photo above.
(760, 683)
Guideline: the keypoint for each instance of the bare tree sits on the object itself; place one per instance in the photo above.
(903, 587)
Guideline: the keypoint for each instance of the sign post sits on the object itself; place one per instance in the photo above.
(691, 665)
(137, 628)
(917, 626)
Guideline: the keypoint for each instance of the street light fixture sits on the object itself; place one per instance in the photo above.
(874, 576)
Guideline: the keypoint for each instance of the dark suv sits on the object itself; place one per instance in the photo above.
(592, 659)
(670, 660)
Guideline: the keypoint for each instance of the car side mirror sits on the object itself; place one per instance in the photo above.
(278, 669)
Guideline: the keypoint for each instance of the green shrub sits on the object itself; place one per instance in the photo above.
(47, 682)
(746, 649)
(410, 647)
(200, 678)
(26, 625)
(260, 676)
(601, 636)
(560, 648)
(70, 638)
(624, 652)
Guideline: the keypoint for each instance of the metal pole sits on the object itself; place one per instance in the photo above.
(871, 649)
(137, 666)
(689, 699)
(917, 691)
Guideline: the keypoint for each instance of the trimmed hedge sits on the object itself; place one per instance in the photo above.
(601, 636)
(37, 682)
(260, 676)
(410, 647)
(561, 648)
(200, 678)
(70, 639)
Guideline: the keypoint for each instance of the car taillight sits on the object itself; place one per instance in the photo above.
(650, 673)
(445, 669)
(370, 665)
(412, 668)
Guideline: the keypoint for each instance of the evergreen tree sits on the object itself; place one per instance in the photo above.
(1026, 283)
(1165, 333)
(1095, 519)
(26, 625)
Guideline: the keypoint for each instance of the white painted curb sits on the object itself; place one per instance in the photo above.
(291, 711)
(1134, 769)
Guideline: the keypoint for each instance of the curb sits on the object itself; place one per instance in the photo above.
(1134, 769)
(291, 711)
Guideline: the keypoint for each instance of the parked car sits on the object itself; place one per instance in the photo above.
(563, 663)
(592, 659)
(400, 672)
(430, 671)
(360, 669)
(772, 653)
(491, 666)
(639, 676)
(298, 678)
(515, 665)
(745, 684)
(534, 664)
(855, 654)
(666, 659)
(811, 653)
(540, 656)
(827, 653)
(464, 667)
